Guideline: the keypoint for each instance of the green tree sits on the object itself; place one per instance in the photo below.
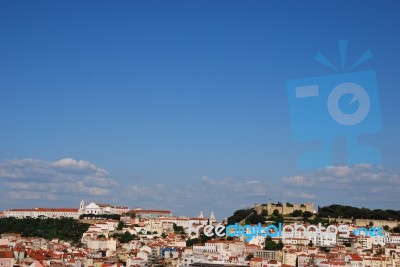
(396, 229)
(307, 215)
(125, 237)
(297, 213)
(264, 213)
(254, 219)
(64, 228)
(178, 229)
(121, 225)
(272, 245)
(239, 215)
(249, 256)
(191, 242)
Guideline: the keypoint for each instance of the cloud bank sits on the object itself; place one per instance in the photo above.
(68, 179)
(33, 179)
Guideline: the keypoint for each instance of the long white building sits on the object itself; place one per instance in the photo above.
(43, 213)
(74, 213)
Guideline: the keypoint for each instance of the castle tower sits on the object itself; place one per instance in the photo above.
(201, 216)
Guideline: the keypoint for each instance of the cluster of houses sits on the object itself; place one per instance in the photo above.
(157, 238)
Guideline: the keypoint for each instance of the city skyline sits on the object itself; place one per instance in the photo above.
(183, 105)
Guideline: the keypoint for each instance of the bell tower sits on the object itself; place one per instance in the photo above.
(82, 207)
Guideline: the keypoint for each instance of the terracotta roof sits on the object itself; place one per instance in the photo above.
(48, 209)
(150, 211)
(6, 254)
(355, 257)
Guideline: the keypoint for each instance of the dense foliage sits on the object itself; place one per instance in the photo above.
(178, 229)
(272, 245)
(191, 242)
(333, 211)
(339, 211)
(121, 225)
(201, 239)
(65, 229)
(254, 218)
(239, 215)
(125, 237)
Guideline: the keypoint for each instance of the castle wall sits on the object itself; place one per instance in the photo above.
(284, 209)
(364, 222)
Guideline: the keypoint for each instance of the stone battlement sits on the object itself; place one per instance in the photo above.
(284, 208)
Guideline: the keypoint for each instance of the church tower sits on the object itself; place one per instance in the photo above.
(212, 217)
(82, 207)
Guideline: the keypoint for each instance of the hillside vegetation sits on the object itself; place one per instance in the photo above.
(339, 211)
(250, 216)
(64, 229)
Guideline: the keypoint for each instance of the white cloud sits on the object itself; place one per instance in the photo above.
(339, 171)
(353, 182)
(99, 181)
(208, 181)
(207, 194)
(299, 195)
(307, 196)
(29, 195)
(38, 179)
(298, 181)
(351, 185)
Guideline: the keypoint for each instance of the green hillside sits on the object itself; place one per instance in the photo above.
(64, 229)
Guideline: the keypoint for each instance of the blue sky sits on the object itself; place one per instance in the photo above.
(182, 104)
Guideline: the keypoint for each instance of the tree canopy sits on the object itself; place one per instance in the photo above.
(339, 211)
(65, 228)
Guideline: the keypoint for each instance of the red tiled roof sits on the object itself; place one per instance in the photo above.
(48, 209)
(355, 257)
(6, 254)
(150, 211)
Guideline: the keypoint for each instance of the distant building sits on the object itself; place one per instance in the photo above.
(43, 212)
(150, 214)
(98, 208)
(74, 213)
(93, 208)
(285, 208)
(102, 244)
(120, 210)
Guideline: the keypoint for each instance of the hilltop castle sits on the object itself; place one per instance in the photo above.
(285, 208)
